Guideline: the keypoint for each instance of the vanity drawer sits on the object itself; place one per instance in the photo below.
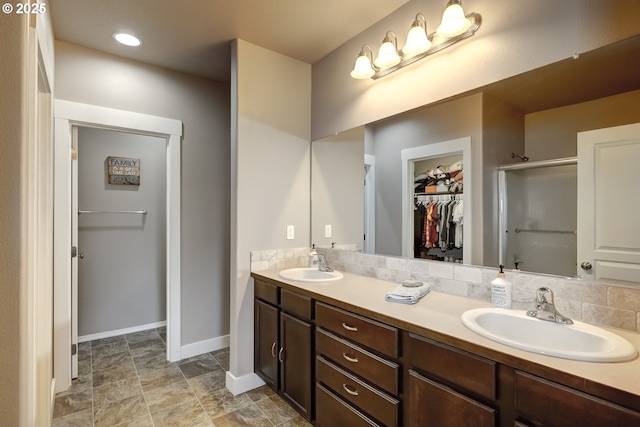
(372, 334)
(296, 304)
(265, 292)
(375, 369)
(547, 402)
(378, 404)
(331, 411)
(457, 367)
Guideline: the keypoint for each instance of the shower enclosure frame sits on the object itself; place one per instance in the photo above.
(502, 195)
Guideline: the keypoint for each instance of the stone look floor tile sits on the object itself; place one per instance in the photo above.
(199, 365)
(160, 377)
(222, 356)
(110, 348)
(114, 374)
(109, 361)
(144, 421)
(297, 421)
(171, 395)
(222, 401)
(118, 412)
(71, 403)
(125, 381)
(77, 419)
(184, 415)
(260, 393)
(208, 383)
(249, 415)
(148, 364)
(118, 390)
(276, 409)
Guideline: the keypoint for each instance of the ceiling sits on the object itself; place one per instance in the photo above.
(193, 36)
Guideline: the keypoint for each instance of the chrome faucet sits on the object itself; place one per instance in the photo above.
(322, 264)
(545, 308)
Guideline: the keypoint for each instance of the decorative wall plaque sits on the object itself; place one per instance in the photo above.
(123, 170)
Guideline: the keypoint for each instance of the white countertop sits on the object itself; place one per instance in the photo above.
(440, 312)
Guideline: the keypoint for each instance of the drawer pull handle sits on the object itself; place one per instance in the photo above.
(352, 391)
(273, 349)
(349, 328)
(349, 358)
(280, 358)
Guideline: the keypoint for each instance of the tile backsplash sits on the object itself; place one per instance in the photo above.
(595, 303)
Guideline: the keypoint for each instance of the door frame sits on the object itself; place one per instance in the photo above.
(67, 116)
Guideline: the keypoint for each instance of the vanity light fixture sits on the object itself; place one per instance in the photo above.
(388, 53)
(127, 39)
(363, 68)
(455, 26)
(417, 39)
(453, 20)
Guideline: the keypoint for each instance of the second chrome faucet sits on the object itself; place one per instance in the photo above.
(545, 308)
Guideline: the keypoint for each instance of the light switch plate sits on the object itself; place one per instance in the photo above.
(290, 232)
(327, 230)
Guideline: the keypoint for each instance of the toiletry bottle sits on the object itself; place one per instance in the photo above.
(313, 256)
(501, 290)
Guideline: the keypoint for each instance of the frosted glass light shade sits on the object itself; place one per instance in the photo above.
(362, 68)
(417, 42)
(387, 56)
(453, 21)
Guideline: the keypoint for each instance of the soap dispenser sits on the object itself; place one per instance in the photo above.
(313, 256)
(501, 290)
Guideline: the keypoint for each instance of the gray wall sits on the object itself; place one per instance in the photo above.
(435, 124)
(91, 77)
(121, 279)
(337, 193)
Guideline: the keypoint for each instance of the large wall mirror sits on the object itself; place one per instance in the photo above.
(357, 175)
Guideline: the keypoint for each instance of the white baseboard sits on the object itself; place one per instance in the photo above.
(205, 346)
(115, 333)
(237, 385)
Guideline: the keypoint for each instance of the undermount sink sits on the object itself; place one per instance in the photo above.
(310, 274)
(579, 341)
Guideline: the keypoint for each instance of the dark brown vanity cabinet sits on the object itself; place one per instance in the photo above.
(283, 335)
(447, 387)
(357, 371)
(539, 402)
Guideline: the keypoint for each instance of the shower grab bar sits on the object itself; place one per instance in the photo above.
(141, 212)
(523, 230)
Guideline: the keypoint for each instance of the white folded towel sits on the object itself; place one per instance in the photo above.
(408, 295)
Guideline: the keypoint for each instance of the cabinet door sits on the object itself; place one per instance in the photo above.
(295, 372)
(266, 343)
(433, 405)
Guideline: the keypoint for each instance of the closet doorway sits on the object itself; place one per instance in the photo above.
(70, 116)
(444, 153)
(121, 232)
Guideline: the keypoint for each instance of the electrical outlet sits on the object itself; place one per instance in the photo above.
(327, 230)
(290, 232)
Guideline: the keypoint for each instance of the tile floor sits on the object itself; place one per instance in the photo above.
(126, 381)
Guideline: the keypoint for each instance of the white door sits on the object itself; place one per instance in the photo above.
(609, 203)
(75, 253)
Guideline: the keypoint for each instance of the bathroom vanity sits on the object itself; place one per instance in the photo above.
(342, 355)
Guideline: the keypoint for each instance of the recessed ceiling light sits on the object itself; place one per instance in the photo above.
(127, 39)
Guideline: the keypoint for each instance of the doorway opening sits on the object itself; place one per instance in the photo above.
(70, 115)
